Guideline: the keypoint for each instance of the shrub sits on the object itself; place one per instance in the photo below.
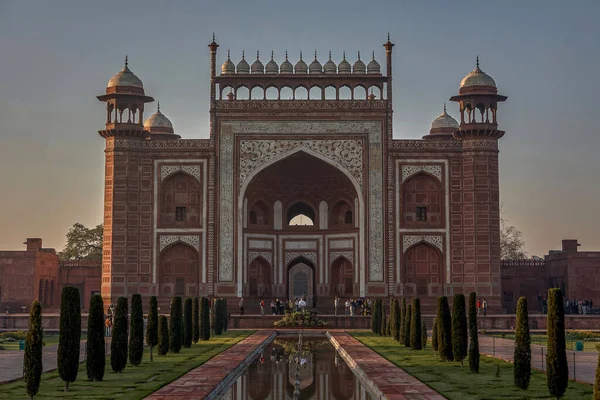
(407, 325)
(383, 328)
(195, 320)
(152, 327)
(597, 382)
(175, 325)
(224, 315)
(218, 317)
(70, 335)
(118, 344)
(375, 322)
(434, 335)
(522, 356)
(424, 335)
(415, 325)
(396, 321)
(557, 369)
(205, 319)
(402, 321)
(473, 335)
(32, 361)
(95, 361)
(15, 335)
(163, 335)
(136, 332)
(187, 323)
(460, 336)
(444, 330)
(299, 319)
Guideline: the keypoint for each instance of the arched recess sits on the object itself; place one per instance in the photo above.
(41, 291)
(315, 93)
(376, 91)
(179, 272)
(286, 93)
(300, 213)
(342, 277)
(345, 93)
(301, 280)
(330, 93)
(360, 93)
(300, 93)
(224, 92)
(46, 292)
(423, 273)
(257, 93)
(422, 202)
(342, 215)
(259, 215)
(259, 277)
(51, 296)
(180, 201)
(242, 93)
(260, 381)
(272, 93)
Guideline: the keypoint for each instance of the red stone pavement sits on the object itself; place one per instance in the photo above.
(200, 382)
(393, 382)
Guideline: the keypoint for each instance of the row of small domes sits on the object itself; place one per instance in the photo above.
(286, 67)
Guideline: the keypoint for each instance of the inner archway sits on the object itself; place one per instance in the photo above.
(178, 273)
(301, 281)
(423, 271)
(342, 277)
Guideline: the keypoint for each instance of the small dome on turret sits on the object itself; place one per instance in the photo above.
(344, 66)
(301, 67)
(272, 67)
(257, 66)
(359, 66)
(330, 67)
(228, 67)
(243, 67)
(158, 123)
(442, 127)
(125, 78)
(315, 66)
(477, 78)
(373, 67)
(286, 67)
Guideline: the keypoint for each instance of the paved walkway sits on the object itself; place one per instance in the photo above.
(200, 382)
(391, 381)
(582, 364)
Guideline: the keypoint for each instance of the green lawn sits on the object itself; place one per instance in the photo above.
(542, 340)
(456, 382)
(49, 340)
(133, 382)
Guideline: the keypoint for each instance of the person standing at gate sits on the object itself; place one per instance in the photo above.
(336, 303)
(484, 305)
(262, 308)
(478, 305)
(242, 306)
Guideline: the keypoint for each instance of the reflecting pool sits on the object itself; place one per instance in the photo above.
(297, 368)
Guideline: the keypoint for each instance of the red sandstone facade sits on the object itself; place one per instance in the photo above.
(217, 216)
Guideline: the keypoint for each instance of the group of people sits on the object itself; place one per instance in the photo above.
(578, 306)
(481, 306)
(281, 306)
(358, 306)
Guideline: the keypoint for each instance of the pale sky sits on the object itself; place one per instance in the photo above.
(56, 56)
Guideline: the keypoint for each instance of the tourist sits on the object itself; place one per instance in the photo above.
(273, 307)
(107, 324)
(262, 308)
(242, 306)
(336, 302)
(478, 305)
(296, 305)
(282, 306)
(302, 304)
(347, 307)
(484, 306)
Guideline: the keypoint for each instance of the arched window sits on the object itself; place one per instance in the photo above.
(422, 202)
(181, 201)
(259, 214)
(348, 217)
(341, 214)
(300, 214)
(253, 217)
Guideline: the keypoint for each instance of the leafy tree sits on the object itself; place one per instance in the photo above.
(424, 334)
(32, 361)
(152, 327)
(205, 319)
(557, 369)
(460, 336)
(396, 320)
(402, 321)
(415, 325)
(70, 335)
(95, 361)
(83, 243)
(512, 244)
(434, 335)
(175, 325)
(195, 320)
(136, 331)
(187, 323)
(473, 335)
(163, 335)
(597, 382)
(444, 329)
(407, 325)
(118, 344)
(522, 355)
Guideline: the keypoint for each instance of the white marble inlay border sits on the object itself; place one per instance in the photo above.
(267, 255)
(346, 254)
(168, 170)
(192, 240)
(309, 255)
(409, 240)
(410, 170)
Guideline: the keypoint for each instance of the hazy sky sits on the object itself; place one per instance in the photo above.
(56, 56)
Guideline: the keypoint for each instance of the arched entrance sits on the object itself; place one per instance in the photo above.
(259, 278)
(423, 270)
(301, 281)
(178, 273)
(342, 277)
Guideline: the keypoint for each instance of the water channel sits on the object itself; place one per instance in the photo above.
(297, 368)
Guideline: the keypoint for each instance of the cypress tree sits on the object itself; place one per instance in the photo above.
(218, 317)
(224, 315)
(175, 325)
(597, 382)
(389, 319)
(205, 319)
(187, 323)
(375, 324)
(557, 369)
(473, 335)
(402, 320)
(396, 325)
(118, 344)
(195, 320)
(522, 356)
(32, 361)
(434, 335)
(444, 330)
(136, 330)
(424, 335)
(163, 335)
(460, 337)
(415, 325)
(407, 325)
(95, 361)
(70, 335)
(383, 329)
(152, 328)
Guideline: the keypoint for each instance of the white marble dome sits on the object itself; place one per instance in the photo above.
(373, 67)
(477, 78)
(315, 66)
(125, 78)
(359, 66)
(286, 67)
(344, 66)
(330, 67)
(228, 67)
(301, 67)
(272, 67)
(243, 67)
(158, 122)
(444, 121)
(257, 66)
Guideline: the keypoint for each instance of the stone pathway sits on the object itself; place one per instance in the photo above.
(212, 375)
(582, 364)
(391, 381)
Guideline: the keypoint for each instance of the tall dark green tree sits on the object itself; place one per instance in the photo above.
(597, 381)
(187, 323)
(424, 334)
(383, 329)
(163, 335)
(375, 322)
(152, 327)
(118, 344)
(195, 320)
(205, 319)
(415, 325)
(460, 336)
(434, 335)
(557, 369)
(224, 316)
(136, 330)
(175, 325)
(218, 317)
(407, 325)
(396, 321)
(522, 355)
(32, 361)
(95, 361)
(444, 330)
(70, 335)
(402, 321)
(473, 335)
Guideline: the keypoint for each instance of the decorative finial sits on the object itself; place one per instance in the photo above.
(373, 54)
(286, 58)
(271, 54)
(158, 106)
(359, 54)
(243, 54)
(444, 107)
(330, 54)
(315, 54)
(126, 61)
(477, 61)
(228, 54)
(213, 36)
(301, 54)
(257, 54)
(388, 36)
(344, 53)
